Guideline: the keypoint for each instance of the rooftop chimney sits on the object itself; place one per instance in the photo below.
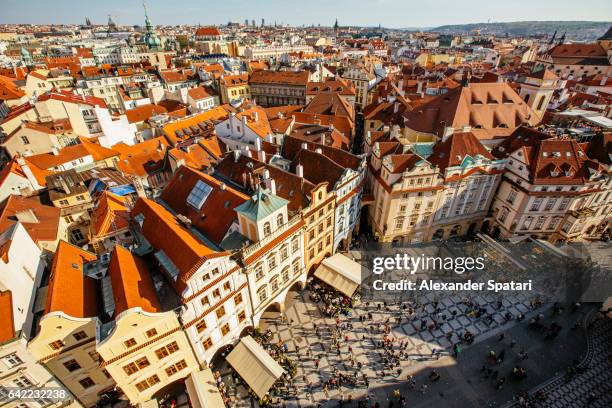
(319, 150)
(299, 170)
(396, 105)
(261, 156)
(305, 146)
(236, 155)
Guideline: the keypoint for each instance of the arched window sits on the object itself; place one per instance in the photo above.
(266, 228)
(280, 220)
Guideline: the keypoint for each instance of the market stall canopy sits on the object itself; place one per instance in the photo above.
(341, 273)
(203, 391)
(256, 367)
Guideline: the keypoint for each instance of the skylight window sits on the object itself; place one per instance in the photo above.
(198, 195)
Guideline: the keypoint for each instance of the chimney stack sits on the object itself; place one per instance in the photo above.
(299, 170)
(396, 105)
(236, 155)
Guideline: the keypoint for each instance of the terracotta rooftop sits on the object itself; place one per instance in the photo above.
(70, 153)
(41, 221)
(213, 115)
(165, 232)
(70, 291)
(131, 282)
(144, 112)
(491, 109)
(7, 325)
(455, 148)
(216, 214)
(280, 77)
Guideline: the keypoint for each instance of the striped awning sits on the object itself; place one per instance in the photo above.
(256, 367)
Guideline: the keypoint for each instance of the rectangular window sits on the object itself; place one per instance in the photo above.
(80, 335)
(151, 332)
(241, 316)
(72, 365)
(86, 382)
(226, 286)
(225, 329)
(511, 196)
(201, 326)
(205, 301)
(207, 343)
(56, 345)
(535, 205)
(129, 343)
(142, 362)
(238, 299)
(220, 312)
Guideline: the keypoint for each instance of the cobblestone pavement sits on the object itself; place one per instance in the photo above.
(304, 346)
(594, 381)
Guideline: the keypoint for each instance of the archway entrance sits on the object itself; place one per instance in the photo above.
(438, 235)
(218, 359)
(485, 227)
(292, 295)
(456, 230)
(472, 229)
(271, 314)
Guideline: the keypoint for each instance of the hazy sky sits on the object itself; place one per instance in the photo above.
(389, 13)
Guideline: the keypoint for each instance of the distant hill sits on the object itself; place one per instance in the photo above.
(583, 30)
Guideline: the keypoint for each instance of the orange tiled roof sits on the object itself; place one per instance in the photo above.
(280, 77)
(144, 112)
(8, 89)
(453, 150)
(70, 153)
(70, 97)
(207, 32)
(199, 155)
(7, 325)
(198, 93)
(132, 283)
(70, 291)
(142, 158)
(217, 213)
(164, 232)
(11, 167)
(215, 114)
(47, 217)
(110, 215)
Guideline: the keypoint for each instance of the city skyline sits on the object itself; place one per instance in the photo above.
(388, 13)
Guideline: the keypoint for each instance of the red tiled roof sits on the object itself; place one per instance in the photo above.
(453, 150)
(9, 90)
(70, 153)
(198, 93)
(69, 97)
(491, 109)
(217, 213)
(142, 158)
(7, 325)
(280, 77)
(144, 112)
(47, 225)
(164, 232)
(131, 282)
(110, 215)
(207, 32)
(70, 291)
